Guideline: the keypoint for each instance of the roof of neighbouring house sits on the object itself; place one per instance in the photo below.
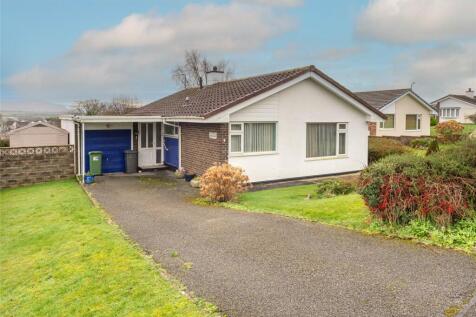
(209, 100)
(380, 98)
(39, 124)
(460, 97)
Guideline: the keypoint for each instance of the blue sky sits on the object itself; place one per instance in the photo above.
(58, 52)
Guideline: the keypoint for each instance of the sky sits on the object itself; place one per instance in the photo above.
(57, 52)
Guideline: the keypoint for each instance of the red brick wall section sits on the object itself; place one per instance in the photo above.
(200, 149)
(30, 165)
(372, 128)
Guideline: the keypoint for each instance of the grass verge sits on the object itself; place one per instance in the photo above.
(61, 256)
(351, 212)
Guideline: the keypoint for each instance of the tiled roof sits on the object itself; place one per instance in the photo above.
(209, 100)
(464, 98)
(380, 98)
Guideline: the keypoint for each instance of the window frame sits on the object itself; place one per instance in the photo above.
(338, 131)
(447, 112)
(418, 121)
(241, 133)
(382, 123)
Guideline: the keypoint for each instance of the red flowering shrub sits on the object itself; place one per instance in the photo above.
(449, 131)
(440, 187)
(222, 182)
(403, 198)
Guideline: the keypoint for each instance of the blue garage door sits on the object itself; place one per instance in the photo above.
(112, 143)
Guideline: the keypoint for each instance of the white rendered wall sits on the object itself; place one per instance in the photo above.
(402, 107)
(68, 125)
(465, 109)
(292, 108)
(38, 136)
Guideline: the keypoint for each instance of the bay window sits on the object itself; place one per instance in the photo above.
(326, 139)
(389, 123)
(252, 137)
(413, 122)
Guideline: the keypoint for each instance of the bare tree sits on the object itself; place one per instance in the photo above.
(89, 107)
(118, 106)
(196, 66)
(121, 105)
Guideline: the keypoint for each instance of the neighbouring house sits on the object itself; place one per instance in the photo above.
(407, 113)
(289, 124)
(456, 107)
(38, 134)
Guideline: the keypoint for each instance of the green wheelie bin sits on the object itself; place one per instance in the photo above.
(95, 163)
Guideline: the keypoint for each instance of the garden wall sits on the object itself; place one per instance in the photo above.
(29, 165)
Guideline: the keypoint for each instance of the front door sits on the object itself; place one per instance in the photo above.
(171, 144)
(150, 144)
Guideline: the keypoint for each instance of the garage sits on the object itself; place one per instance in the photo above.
(112, 143)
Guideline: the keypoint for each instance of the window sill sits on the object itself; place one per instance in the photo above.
(387, 128)
(251, 154)
(413, 130)
(337, 157)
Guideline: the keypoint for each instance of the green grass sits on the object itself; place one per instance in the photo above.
(347, 210)
(468, 128)
(351, 212)
(61, 256)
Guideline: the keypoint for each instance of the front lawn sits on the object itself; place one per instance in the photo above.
(347, 210)
(350, 211)
(61, 256)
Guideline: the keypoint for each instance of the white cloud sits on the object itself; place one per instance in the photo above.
(136, 55)
(410, 21)
(443, 70)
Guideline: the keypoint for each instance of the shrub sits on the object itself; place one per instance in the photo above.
(421, 143)
(333, 187)
(222, 182)
(382, 147)
(463, 152)
(433, 147)
(440, 187)
(449, 131)
(472, 117)
(433, 121)
(4, 143)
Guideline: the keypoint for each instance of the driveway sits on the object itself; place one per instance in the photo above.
(251, 264)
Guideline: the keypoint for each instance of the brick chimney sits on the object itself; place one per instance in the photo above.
(469, 93)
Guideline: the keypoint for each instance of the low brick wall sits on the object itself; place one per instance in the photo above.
(29, 165)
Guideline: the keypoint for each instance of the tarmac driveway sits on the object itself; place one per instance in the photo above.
(251, 264)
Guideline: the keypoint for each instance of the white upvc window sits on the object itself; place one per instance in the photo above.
(252, 137)
(389, 123)
(326, 140)
(413, 122)
(449, 112)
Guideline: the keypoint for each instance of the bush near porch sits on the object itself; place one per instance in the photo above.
(61, 256)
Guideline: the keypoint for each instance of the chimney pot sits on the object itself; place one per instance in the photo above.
(470, 93)
(215, 76)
